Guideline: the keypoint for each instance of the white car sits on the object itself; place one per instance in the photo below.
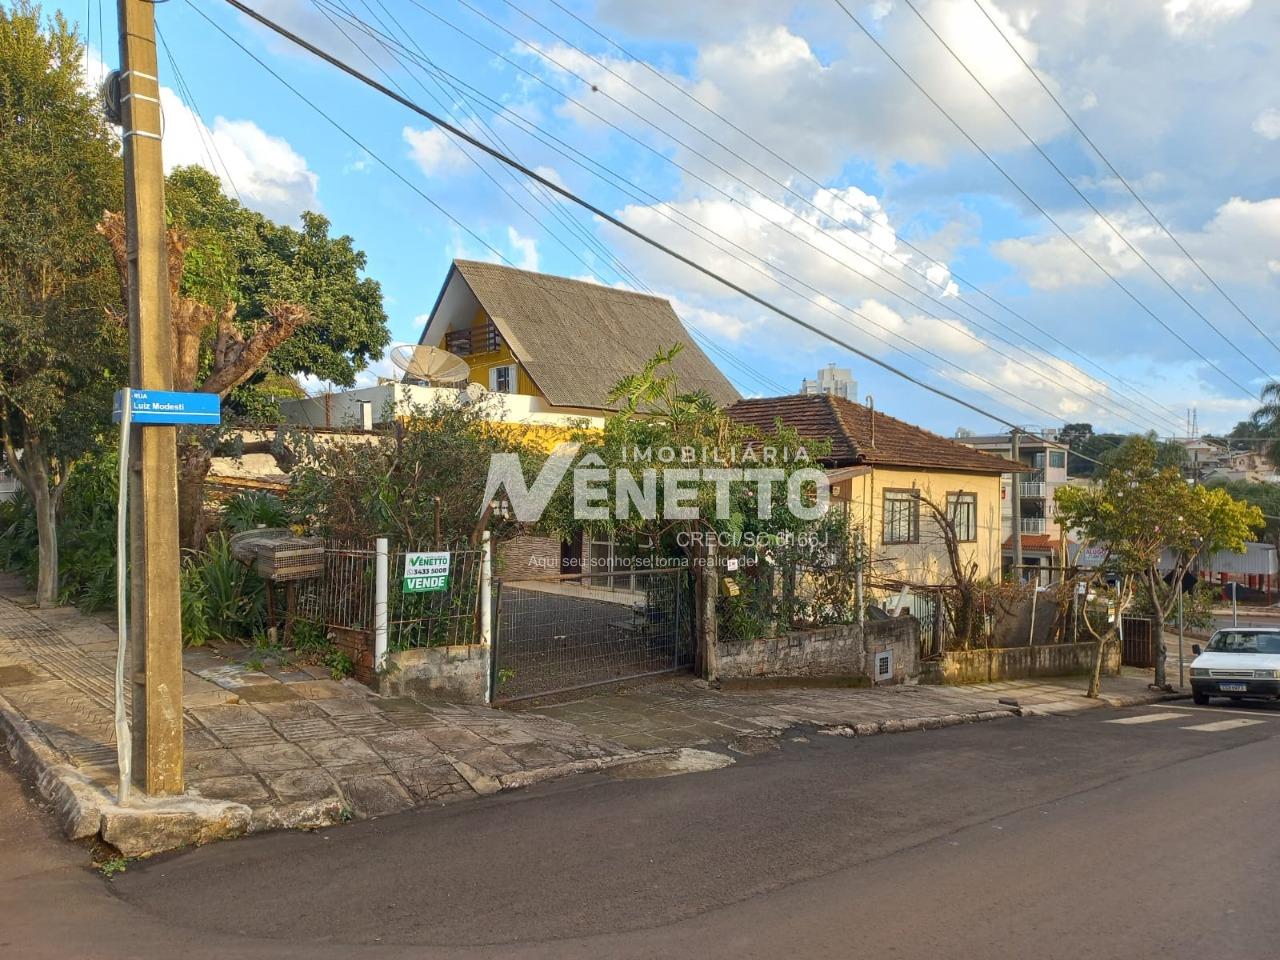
(1240, 663)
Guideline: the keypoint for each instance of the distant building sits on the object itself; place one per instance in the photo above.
(833, 381)
(9, 485)
(1046, 460)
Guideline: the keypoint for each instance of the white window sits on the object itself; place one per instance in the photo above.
(962, 510)
(503, 379)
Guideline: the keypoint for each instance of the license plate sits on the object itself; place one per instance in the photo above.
(1234, 687)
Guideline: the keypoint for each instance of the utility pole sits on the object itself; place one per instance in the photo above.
(1016, 504)
(156, 629)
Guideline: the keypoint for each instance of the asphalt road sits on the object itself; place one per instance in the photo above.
(1043, 838)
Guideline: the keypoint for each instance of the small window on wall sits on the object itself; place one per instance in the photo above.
(1057, 459)
(503, 379)
(962, 511)
(901, 516)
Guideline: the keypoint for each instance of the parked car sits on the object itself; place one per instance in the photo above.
(1242, 663)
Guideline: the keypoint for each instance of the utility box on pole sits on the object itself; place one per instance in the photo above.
(156, 620)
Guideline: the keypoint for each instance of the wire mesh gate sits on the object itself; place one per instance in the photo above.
(565, 633)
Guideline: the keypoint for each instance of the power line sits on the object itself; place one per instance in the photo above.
(870, 239)
(1116, 173)
(1039, 373)
(341, 129)
(1119, 381)
(602, 214)
(1082, 195)
(1031, 200)
(817, 226)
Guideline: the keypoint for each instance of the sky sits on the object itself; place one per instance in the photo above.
(804, 151)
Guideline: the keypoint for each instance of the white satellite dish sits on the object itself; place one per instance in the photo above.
(429, 365)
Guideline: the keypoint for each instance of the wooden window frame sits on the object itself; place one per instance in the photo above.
(914, 524)
(953, 496)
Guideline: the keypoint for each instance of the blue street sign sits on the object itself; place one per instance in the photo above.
(170, 407)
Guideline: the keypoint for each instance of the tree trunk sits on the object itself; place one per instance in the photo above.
(1157, 627)
(193, 467)
(1099, 658)
(36, 467)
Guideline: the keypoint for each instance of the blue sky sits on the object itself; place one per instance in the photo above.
(833, 163)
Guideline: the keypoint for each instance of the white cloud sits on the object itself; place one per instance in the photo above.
(1182, 16)
(267, 173)
(525, 248)
(1238, 243)
(1267, 124)
(434, 151)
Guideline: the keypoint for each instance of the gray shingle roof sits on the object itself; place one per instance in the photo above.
(576, 339)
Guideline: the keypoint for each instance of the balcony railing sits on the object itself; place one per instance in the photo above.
(1031, 489)
(1034, 524)
(482, 339)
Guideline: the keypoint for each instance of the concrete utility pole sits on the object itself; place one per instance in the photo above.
(156, 630)
(1016, 506)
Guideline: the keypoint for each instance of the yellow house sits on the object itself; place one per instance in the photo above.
(558, 346)
(895, 481)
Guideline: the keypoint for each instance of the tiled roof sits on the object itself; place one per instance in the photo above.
(1035, 541)
(577, 339)
(859, 435)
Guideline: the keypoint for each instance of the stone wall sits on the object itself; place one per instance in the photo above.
(839, 652)
(1018, 663)
(456, 674)
(527, 556)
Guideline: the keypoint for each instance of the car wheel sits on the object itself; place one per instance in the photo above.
(1200, 699)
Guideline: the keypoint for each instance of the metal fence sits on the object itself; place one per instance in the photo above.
(565, 633)
(344, 596)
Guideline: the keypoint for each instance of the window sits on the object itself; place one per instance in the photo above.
(962, 511)
(502, 379)
(1057, 459)
(901, 516)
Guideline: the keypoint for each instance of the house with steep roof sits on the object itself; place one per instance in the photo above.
(889, 475)
(561, 343)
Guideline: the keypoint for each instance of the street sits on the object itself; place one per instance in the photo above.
(1112, 833)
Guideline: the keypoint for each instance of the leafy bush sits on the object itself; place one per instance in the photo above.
(86, 534)
(248, 511)
(224, 598)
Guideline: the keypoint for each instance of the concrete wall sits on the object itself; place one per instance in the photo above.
(1018, 663)
(846, 652)
(456, 674)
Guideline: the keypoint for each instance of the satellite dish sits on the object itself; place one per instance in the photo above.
(429, 365)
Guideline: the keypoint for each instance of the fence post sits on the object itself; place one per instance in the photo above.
(380, 607)
(486, 606)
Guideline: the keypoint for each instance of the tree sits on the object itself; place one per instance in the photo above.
(253, 303)
(59, 361)
(1264, 496)
(1138, 509)
(1265, 422)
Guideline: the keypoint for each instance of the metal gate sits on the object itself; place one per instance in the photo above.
(564, 633)
(1137, 650)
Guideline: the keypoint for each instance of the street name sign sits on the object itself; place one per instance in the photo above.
(169, 407)
(426, 572)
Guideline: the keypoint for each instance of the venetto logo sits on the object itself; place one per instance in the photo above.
(623, 492)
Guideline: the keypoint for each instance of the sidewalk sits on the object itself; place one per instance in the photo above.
(264, 750)
(290, 747)
(687, 713)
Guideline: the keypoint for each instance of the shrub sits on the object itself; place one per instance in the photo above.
(225, 598)
(248, 511)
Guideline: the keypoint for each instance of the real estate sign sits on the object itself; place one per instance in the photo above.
(426, 572)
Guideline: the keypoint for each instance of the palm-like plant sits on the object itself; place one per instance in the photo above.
(1266, 420)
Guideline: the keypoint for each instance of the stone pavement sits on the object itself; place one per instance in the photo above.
(285, 746)
(686, 712)
(292, 746)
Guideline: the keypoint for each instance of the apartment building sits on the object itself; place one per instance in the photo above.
(1046, 461)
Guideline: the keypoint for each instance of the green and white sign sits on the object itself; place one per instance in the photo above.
(426, 572)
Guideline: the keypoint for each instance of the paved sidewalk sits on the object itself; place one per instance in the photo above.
(293, 747)
(284, 746)
(686, 712)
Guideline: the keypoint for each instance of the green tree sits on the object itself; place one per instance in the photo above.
(1264, 496)
(1137, 509)
(59, 361)
(254, 303)
(1265, 422)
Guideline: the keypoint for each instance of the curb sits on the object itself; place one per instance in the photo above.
(874, 727)
(85, 810)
